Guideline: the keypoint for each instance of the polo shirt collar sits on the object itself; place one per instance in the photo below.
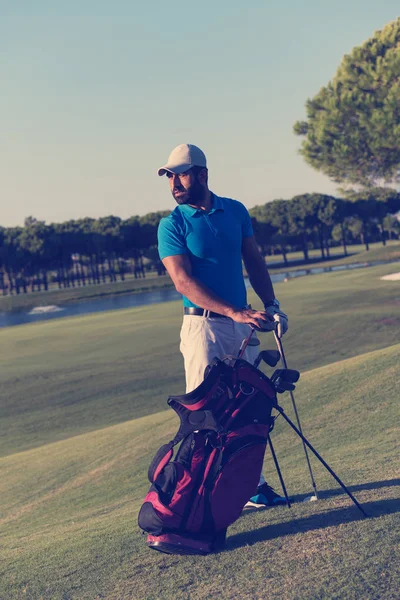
(217, 204)
(193, 212)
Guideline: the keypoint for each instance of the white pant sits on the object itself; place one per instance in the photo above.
(203, 339)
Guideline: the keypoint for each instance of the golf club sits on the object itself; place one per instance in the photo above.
(245, 342)
(270, 357)
(280, 348)
(305, 441)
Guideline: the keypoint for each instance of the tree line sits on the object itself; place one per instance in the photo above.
(351, 134)
(92, 251)
(76, 252)
(319, 221)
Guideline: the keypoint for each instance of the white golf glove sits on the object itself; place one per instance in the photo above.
(281, 319)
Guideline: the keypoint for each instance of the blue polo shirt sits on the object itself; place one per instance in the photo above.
(213, 242)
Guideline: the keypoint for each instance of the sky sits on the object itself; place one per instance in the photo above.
(95, 94)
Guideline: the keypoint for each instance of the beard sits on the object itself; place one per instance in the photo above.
(192, 195)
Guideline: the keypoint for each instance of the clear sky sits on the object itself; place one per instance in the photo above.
(95, 94)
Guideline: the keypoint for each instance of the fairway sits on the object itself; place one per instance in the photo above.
(83, 410)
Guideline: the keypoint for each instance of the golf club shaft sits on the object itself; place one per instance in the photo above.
(256, 363)
(245, 343)
(280, 348)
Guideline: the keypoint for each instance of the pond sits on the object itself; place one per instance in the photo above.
(8, 319)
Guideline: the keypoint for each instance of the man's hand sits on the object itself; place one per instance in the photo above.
(280, 318)
(260, 320)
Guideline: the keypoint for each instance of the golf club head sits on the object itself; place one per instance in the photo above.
(288, 375)
(270, 357)
(284, 380)
(284, 386)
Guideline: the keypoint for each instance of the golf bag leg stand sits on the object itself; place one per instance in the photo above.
(281, 352)
(314, 485)
(327, 467)
(278, 470)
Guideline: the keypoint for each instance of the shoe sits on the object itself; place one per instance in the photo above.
(265, 496)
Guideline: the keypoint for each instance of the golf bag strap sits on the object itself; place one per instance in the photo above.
(216, 372)
(164, 455)
(192, 420)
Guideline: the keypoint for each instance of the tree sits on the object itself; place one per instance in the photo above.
(378, 203)
(109, 230)
(14, 258)
(352, 131)
(327, 213)
(273, 225)
(392, 226)
(132, 244)
(35, 242)
(303, 218)
(147, 242)
(2, 258)
(263, 232)
(343, 214)
(364, 210)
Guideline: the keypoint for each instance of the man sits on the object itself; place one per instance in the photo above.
(201, 244)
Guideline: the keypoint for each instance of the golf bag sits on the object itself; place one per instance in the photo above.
(224, 427)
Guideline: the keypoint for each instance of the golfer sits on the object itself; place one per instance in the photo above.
(202, 244)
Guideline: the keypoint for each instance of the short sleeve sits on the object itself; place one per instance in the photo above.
(247, 227)
(171, 240)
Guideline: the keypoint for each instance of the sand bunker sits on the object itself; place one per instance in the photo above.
(392, 277)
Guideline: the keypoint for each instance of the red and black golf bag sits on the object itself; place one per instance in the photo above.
(224, 427)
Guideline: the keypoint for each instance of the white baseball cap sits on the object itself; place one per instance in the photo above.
(183, 158)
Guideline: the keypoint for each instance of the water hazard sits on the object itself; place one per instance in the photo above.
(8, 319)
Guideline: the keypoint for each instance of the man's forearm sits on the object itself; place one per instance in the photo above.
(179, 269)
(261, 281)
(201, 295)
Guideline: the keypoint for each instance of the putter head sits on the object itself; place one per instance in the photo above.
(284, 380)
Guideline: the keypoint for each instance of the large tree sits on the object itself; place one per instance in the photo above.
(352, 130)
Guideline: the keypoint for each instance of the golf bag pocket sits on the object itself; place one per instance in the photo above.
(167, 499)
(172, 485)
(236, 481)
(149, 520)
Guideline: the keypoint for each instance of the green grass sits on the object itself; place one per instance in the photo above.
(69, 508)
(69, 376)
(60, 378)
(82, 412)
